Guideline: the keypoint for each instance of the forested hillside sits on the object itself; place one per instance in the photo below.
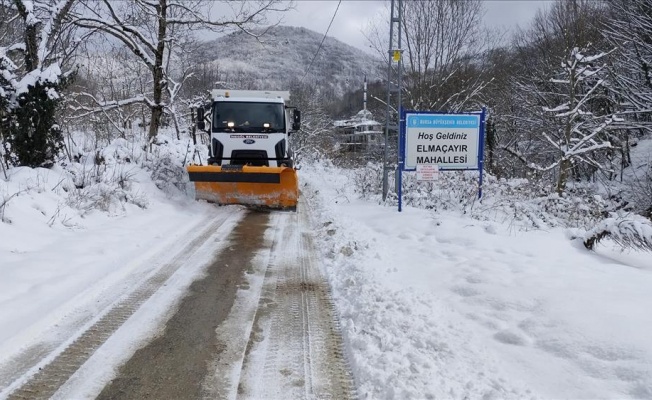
(282, 55)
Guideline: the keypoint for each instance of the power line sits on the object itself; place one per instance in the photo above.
(322, 40)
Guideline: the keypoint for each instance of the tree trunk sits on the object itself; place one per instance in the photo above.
(155, 123)
(31, 37)
(3, 158)
(565, 164)
(491, 143)
(194, 126)
(564, 168)
(159, 83)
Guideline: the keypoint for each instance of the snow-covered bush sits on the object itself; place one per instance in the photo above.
(168, 174)
(90, 179)
(103, 180)
(368, 181)
(521, 204)
(629, 232)
(107, 196)
(33, 59)
(5, 198)
(639, 193)
(167, 161)
(516, 201)
(452, 191)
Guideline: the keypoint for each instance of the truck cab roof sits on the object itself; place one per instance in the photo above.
(253, 96)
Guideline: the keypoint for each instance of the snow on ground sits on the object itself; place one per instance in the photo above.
(433, 304)
(67, 252)
(439, 305)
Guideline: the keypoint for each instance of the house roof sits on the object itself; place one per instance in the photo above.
(363, 117)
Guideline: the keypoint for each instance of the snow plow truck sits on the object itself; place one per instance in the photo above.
(249, 159)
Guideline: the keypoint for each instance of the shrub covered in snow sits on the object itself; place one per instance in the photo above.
(93, 179)
(517, 202)
(638, 187)
(629, 231)
(167, 166)
(104, 196)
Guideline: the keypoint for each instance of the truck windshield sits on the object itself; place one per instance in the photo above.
(248, 117)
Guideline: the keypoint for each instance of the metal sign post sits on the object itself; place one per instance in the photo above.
(394, 55)
(445, 140)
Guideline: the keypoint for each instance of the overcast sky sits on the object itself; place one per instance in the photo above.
(353, 16)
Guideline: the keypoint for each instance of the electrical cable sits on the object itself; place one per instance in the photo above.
(322, 41)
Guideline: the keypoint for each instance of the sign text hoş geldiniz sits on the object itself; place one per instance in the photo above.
(446, 140)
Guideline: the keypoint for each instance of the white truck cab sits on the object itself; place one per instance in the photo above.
(249, 127)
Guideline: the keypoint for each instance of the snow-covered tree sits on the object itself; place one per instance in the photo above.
(31, 65)
(155, 31)
(630, 30)
(557, 108)
(571, 126)
(578, 133)
(443, 43)
(316, 137)
(109, 74)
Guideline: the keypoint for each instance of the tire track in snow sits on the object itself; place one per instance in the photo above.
(56, 366)
(295, 347)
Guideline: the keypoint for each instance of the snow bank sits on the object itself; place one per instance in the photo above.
(71, 232)
(437, 304)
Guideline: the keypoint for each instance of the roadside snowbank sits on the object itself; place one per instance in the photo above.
(75, 237)
(434, 304)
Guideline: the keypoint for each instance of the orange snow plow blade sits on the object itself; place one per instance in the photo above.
(264, 187)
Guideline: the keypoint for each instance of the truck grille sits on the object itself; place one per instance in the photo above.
(256, 158)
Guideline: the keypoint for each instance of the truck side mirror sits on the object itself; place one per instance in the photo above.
(201, 124)
(296, 120)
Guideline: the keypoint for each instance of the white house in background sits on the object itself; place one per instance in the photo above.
(360, 132)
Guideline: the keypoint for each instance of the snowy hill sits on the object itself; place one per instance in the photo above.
(283, 54)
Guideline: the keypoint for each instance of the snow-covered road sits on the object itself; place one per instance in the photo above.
(231, 304)
(50, 345)
(295, 348)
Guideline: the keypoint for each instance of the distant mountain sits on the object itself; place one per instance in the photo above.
(283, 55)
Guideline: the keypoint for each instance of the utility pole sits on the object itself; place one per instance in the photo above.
(364, 96)
(394, 55)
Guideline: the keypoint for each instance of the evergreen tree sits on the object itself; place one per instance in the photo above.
(34, 47)
(33, 134)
